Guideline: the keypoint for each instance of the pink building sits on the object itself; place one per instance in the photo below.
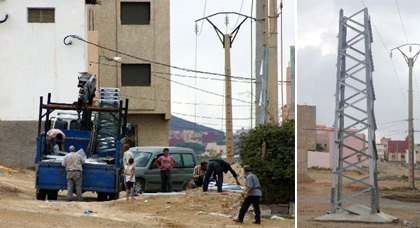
(325, 145)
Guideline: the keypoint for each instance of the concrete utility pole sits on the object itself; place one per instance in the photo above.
(227, 43)
(228, 101)
(267, 84)
(259, 37)
(410, 61)
(272, 66)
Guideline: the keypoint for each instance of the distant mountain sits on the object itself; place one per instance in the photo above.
(178, 124)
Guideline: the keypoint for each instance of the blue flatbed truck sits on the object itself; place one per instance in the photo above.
(102, 170)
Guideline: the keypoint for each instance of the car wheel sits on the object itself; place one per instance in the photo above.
(140, 186)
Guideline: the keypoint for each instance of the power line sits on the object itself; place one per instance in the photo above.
(163, 64)
(202, 90)
(145, 60)
(208, 117)
(395, 121)
(392, 61)
(237, 20)
(241, 79)
(183, 103)
(204, 13)
(402, 23)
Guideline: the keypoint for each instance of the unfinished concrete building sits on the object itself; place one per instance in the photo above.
(140, 29)
(306, 139)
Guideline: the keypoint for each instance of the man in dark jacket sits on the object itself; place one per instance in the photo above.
(218, 167)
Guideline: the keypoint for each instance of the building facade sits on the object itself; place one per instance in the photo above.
(325, 148)
(140, 29)
(34, 62)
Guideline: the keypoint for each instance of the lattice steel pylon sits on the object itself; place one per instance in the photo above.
(354, 113)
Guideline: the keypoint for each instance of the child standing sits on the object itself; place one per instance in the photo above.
(165, 167)
(130, 178)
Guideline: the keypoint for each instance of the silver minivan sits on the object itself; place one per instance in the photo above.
(148, 174)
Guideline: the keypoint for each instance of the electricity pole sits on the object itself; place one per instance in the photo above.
(227, 40)
(410, 61)
(273, 68)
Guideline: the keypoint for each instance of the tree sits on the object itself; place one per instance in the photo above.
(270, 151)
(196, 147)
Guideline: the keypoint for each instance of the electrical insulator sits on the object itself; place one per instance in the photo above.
(226, 20)
(196, 28)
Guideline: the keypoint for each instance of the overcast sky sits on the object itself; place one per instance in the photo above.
(209, 53)
(317, 30)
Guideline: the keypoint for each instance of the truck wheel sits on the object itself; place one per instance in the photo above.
(140, 186)
(41, 194)
(52, 194)
(114, 196)
(102, 196)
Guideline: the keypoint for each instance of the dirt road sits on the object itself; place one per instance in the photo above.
(396, 199)
(19, 208)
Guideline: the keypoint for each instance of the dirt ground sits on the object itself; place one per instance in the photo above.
(396, 198)
(19, 208)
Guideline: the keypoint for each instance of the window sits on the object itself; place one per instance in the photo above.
(178, 160)
(135, 13)
(141, 158)
(402, 156)
(41, 15)
(188, 160)
(135, 74)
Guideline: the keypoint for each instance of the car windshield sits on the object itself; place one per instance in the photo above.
(141, 158)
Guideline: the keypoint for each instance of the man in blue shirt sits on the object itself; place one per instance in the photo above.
(252, 196)
(218, 167)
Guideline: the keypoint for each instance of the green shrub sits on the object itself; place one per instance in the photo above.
(275, 168)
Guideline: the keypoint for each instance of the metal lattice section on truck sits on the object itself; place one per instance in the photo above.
(107, 123)
(354, 114)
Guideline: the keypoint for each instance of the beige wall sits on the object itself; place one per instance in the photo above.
(306, 139)
(319, 159)
(152, 129)
(149, 106)
(93, 56)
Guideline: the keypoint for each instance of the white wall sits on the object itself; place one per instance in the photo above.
(34, 60)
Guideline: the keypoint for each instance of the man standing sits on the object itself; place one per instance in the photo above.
(252, 196)
(58, 136)
(73, 163)
(218, 167)
(165, 167)
(127, 154)
(199, 173)
(126, 157)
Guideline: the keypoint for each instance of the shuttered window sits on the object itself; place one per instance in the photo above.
(135, 74)
(41, 15)
(135, 13)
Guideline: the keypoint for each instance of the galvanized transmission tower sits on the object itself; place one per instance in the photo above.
(354, 112)
(354, 115)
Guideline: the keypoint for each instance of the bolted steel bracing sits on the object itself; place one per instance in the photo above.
(354, 113)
